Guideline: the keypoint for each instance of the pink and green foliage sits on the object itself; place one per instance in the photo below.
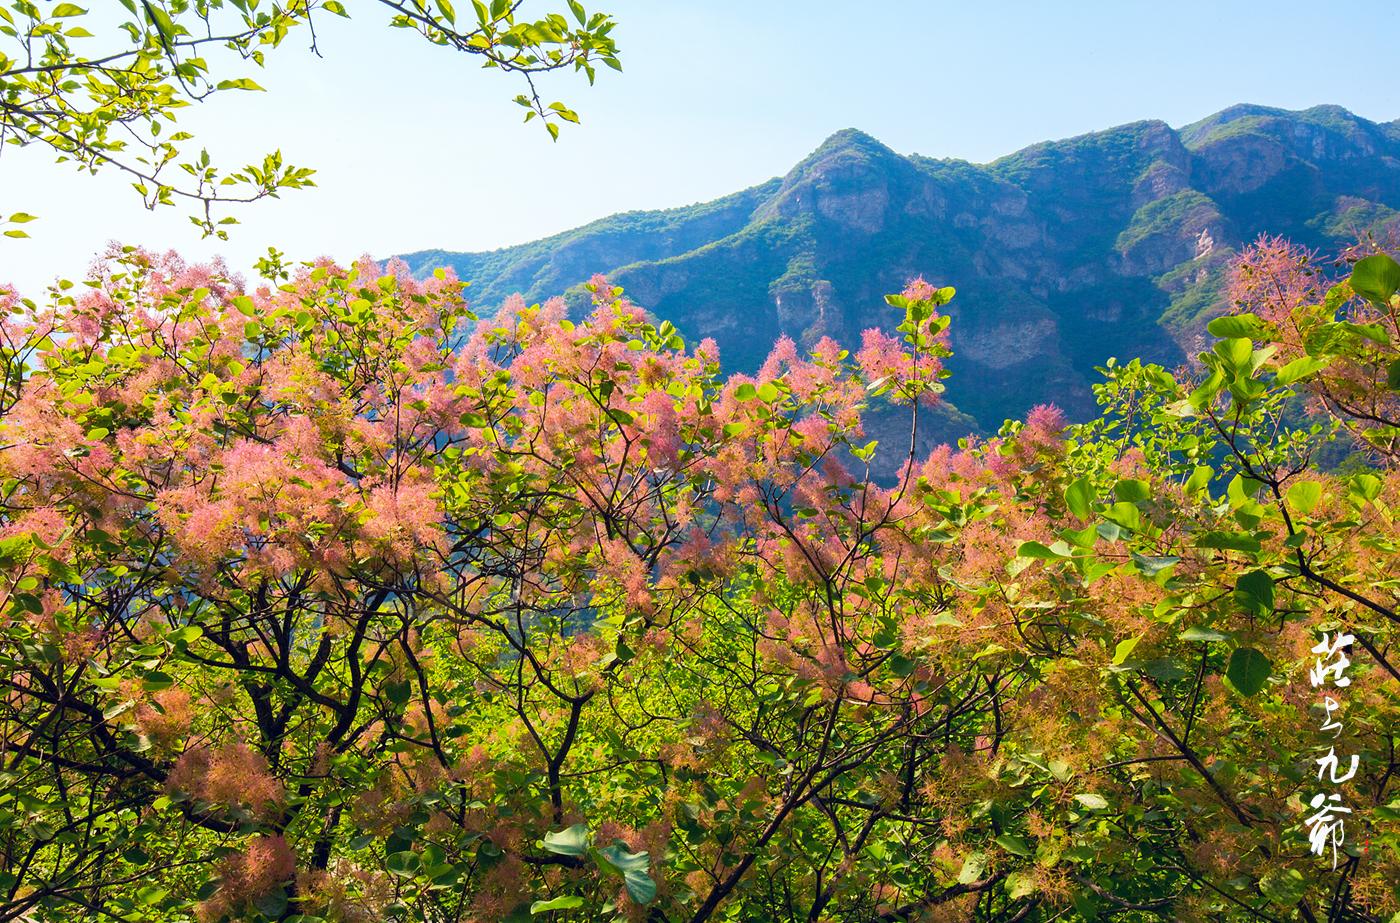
(325, 599)
(1337, 336)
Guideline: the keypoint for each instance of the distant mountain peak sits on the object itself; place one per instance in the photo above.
(1111, 243)
(852, 138)
(1279, 123)
(1243, 110)
(847, 149)
(1333, 111)
(846, 180)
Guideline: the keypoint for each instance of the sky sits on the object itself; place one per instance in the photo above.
(417, 147)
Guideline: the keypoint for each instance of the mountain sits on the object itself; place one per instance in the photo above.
(1108, 244)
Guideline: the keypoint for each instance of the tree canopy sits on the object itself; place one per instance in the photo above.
(109, 100)
(324, 599)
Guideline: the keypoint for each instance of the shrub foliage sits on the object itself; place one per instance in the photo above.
(324, 599)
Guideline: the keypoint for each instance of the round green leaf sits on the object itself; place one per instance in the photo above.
(403, 864)
(572, 841)
(1254, 592)
(1303, 496)
(1248, 670)
(972, 868)
(1376, 277)
(1236, 325)
(1079, 497)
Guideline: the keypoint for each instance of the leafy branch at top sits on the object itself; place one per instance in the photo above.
(110, 101)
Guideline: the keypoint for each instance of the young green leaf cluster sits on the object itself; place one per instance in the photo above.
(111, 100)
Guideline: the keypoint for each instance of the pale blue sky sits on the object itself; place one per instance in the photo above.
(418, 148)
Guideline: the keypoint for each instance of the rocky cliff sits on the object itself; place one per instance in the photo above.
(1065, 253)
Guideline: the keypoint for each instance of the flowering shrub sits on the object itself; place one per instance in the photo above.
(309, 614)
(1337, 337)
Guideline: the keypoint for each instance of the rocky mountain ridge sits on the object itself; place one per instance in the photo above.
(1065, 253)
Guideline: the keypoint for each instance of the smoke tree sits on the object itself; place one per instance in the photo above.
(325, 599)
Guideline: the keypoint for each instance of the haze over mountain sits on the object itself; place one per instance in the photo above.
(1065, 253)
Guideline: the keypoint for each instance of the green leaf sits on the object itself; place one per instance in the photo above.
(404, 864)
(1019, 885)
(1202, 634)
(745, 392)
(1083, 538)
(1152, 565)
(1248, 670)
(767, 392)
(1108, 531)
(619, 859)
(1125, 514)
(972, 868)
(572, 841)
(1132, 491)
(1376, 277)
(1301, 368)
(564, 112)
(185, 634)
(273, 904)
(398, 693)
(1124, 649)
(1015, 845)
(632, 866)
(156, 680)
(1199, 478)
(1228, 541)
(1284, 887)
(1079, 498)
(239, 83)
(867, 451)
(1373, 332)
(1040, 552)
(1092, 801)
(64, 10)
(1304, 496)
(1237, 325)
(1236, 351)
(1392, 375)
(119, 708)
(640, 887)
(1365, 486)
(1254, 592)
(1207, 391)
(569, 902)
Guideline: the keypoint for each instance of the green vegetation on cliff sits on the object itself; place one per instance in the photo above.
(1108, 244)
